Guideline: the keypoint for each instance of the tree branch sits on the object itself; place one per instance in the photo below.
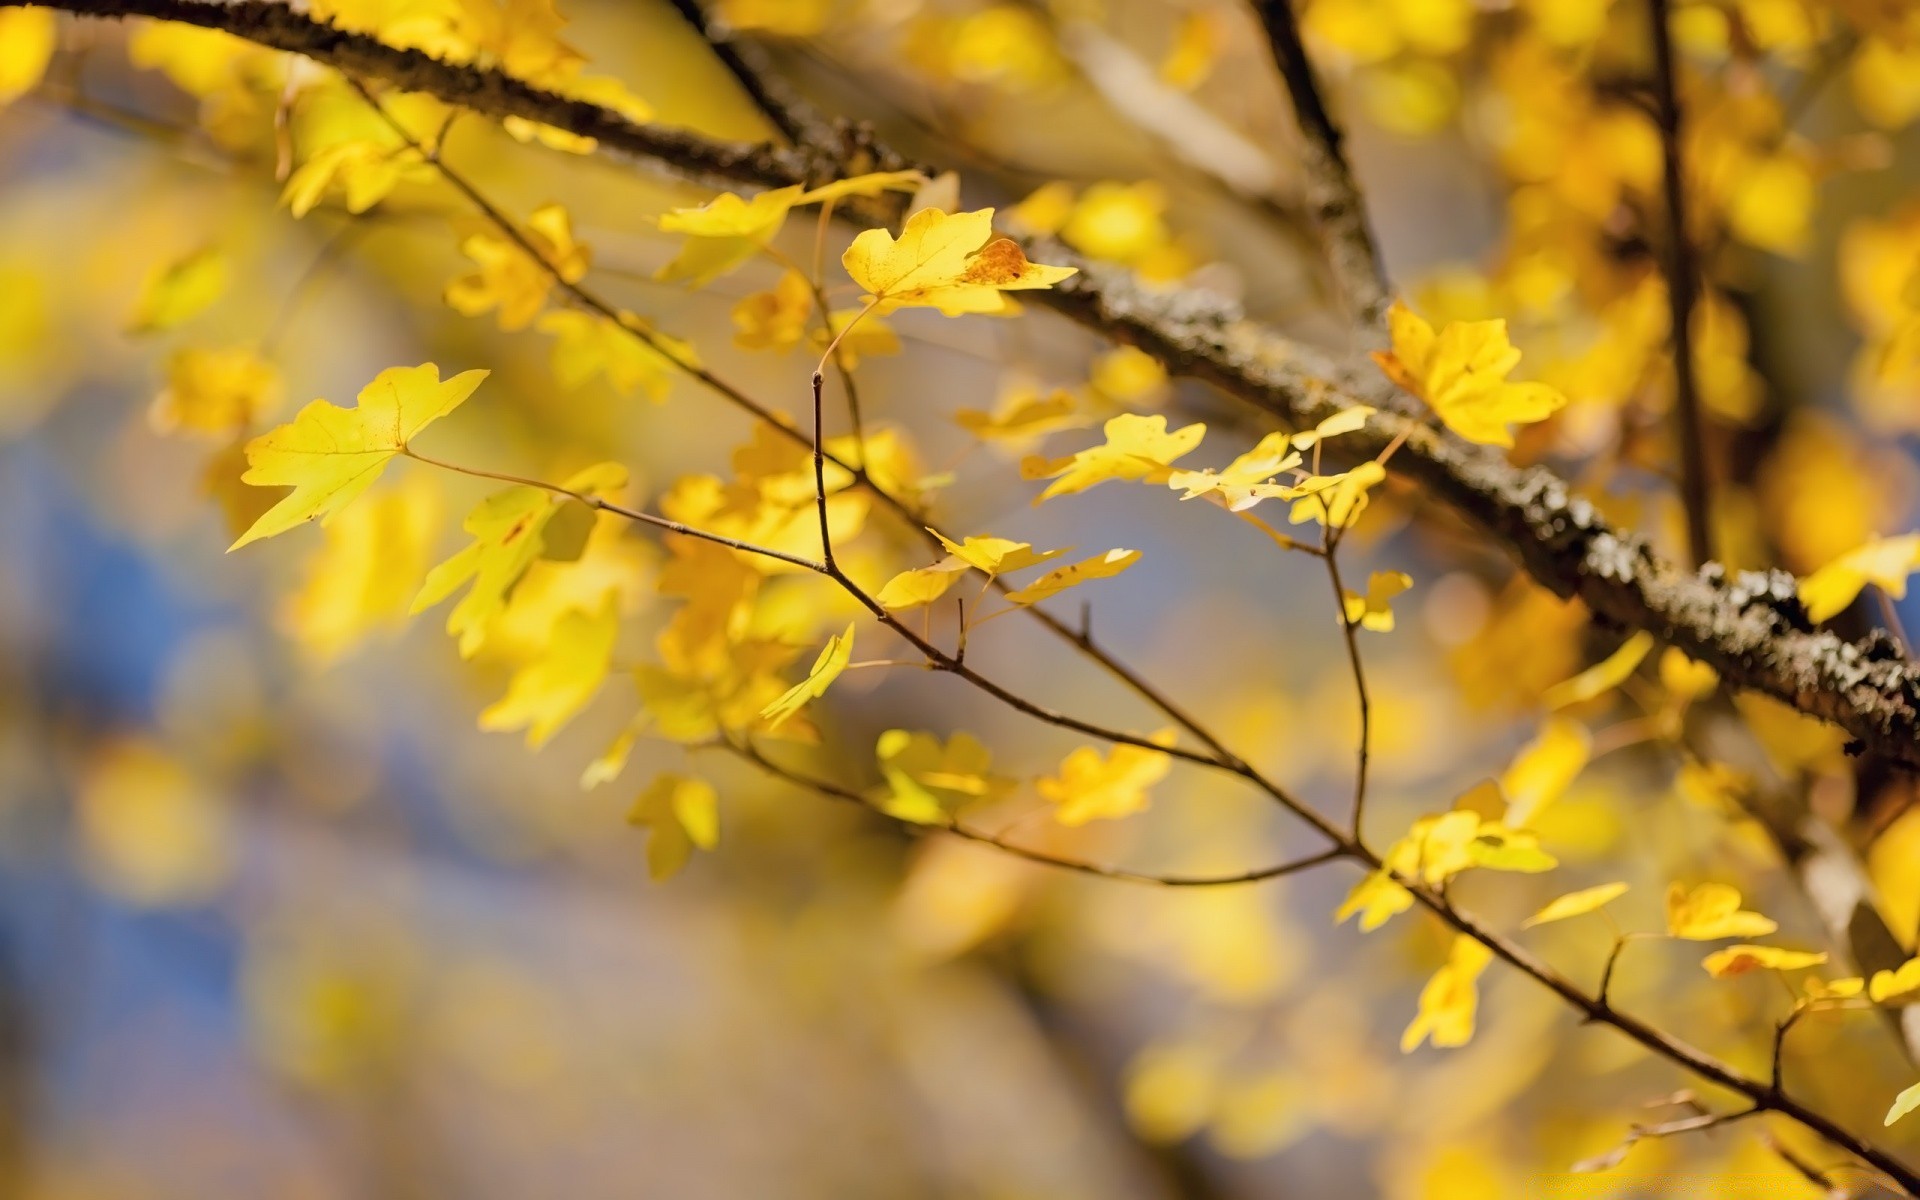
(1333, 198)
(1750, 627)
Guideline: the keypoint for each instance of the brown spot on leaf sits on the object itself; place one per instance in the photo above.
(999, 261)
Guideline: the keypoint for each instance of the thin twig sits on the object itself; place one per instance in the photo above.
(1682, 288)
(953, 828)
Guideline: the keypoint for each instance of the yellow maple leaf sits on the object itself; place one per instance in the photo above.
(679, 814)
(922, 585)
(179, 290)
(1883, 562)
(351, 150)
(1451, 998)
(28, 37)
(1712, 911)
(1575, 904)
(949, 262)
(508, 277)
(1058, 580)
(1461, 372)
(929, 782)
(834, 657)
(547, 692)
(214, 391)
(1375, 609)
(1092, 786)
(1335, 501)
(1244, 482)
(1738, 960)
(730, 229)
(997, 556)
(509, 531)
(1137, 447)
(329, 454)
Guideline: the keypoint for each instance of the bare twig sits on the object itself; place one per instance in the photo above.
(1333, 198)
(1682, 287)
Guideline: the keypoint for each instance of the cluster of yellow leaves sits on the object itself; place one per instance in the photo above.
(1435, 850)
(1461, 372)
(219, 392)
(548, 691)
(370, 560)
(511, 530)
(349, 150)
(520, 37)
(679, 814)
(516, 275)
(1091, 786)
(179, 290)
(1114, 222)
(930, 783)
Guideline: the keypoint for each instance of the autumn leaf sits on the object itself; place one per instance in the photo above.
(1137, 447)
(1245, 481)
(546, 693)
(1738, 960)
(1884, 562)
(1022, 416)
(834, 657)
(179, 290)
(730, 229)
(949, 262)
(1059, 579)
(509, 534)
(1575, 904)
(922, 585)
(1903, 1104)
(1603, 676)
(1544, 769)
(218, 392)
(679, 814)
(1092, 786)
(1450, 1000)
(329, 454)
(930, 783)
(1375, 609)
(1712, 911)
(1900, 985)
(1462, 374)
(364, 571)
(996, 555)
(511, 279)
(1335, 501)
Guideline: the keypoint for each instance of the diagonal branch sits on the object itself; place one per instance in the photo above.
(1333, 198)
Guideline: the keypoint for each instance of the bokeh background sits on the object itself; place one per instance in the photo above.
(277, 920)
